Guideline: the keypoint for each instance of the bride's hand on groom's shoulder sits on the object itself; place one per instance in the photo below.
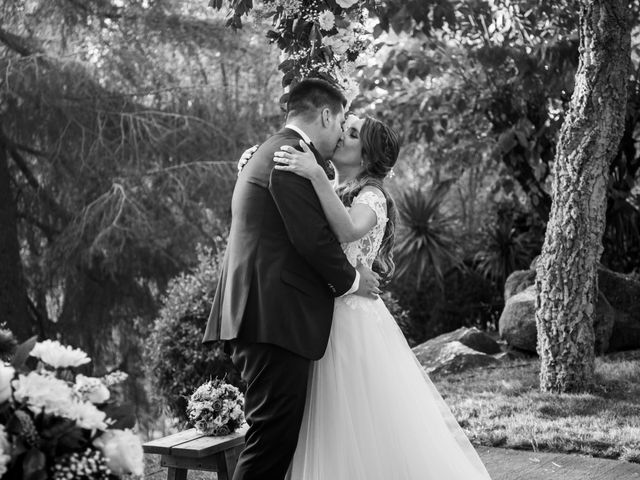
(246, 155)
(302, 163)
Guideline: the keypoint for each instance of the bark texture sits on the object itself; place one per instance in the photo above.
(589, 139)
(13, 295)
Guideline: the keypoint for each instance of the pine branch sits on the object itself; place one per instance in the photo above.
(17, 44)
(33, 182)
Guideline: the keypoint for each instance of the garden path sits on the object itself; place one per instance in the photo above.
(505, 464)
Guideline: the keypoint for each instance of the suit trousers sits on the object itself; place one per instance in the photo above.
(274, 405)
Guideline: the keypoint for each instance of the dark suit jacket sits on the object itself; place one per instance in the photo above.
(283, 266)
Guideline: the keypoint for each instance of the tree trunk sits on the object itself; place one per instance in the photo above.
(13, 294)
(566, 273)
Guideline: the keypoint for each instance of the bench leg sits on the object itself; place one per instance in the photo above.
(177, 473)
(230, 460)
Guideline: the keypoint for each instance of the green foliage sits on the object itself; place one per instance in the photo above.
(401, 317)
(426, 243)
(468, 300)
(141, 109)
(175, 358)
(509, 243)
(464, 299)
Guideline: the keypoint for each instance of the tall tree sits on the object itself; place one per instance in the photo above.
(589, 138)
(13, 294)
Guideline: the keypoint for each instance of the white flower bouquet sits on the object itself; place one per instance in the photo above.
(56, 424)
(216, 408)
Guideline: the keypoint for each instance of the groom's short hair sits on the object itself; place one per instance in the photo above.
(313, 94)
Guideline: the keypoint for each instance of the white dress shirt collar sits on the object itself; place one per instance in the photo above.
(299, 131)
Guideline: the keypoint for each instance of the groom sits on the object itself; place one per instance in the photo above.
(282, 269)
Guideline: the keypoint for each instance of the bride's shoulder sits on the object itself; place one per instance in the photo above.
(372, 189)
(374, 198)
(372, 192)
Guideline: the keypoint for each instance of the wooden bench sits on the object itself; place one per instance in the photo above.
(189, 450)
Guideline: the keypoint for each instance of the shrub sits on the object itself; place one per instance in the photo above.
(176, 359)
(411, 330)
(470, 300)
(466, 298)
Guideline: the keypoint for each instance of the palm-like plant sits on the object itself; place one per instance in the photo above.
(427, 242)
(504, 250)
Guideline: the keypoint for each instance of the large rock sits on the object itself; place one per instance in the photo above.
(471, 337)
(456, 351)
(451, 357)
(517, 282)
(622, 291)
(617, 325)
(517, 323)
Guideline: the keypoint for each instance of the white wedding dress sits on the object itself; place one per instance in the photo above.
(371, 412)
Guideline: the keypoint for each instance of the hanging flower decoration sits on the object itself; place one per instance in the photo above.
(318, 38)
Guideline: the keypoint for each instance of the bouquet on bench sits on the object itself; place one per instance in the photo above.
(56, 423)
(216, 408)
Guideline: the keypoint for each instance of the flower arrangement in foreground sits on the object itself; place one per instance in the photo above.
(56, 424)
(215, 408)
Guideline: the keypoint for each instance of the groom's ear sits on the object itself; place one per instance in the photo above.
(325, 117)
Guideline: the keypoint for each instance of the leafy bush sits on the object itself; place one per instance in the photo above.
(466, 298)
(471, 300)
(176, 359)
(411, 331)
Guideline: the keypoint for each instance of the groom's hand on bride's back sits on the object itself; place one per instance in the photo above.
(369, 282)
(246, 155)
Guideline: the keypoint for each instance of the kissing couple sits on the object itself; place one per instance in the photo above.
(334, 391)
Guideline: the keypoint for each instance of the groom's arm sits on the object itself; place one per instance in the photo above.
(309, 231)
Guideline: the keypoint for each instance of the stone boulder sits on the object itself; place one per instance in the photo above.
(517, 282)
(457, 351)
(471, 337)
(622, 291)
(517, 324)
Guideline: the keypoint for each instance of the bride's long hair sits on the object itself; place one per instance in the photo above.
(380, 147)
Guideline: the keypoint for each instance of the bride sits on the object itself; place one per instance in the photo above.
(371, 412)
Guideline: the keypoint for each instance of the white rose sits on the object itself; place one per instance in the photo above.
(44, 392)
(337, 44)
(91, 389)
(59, 356)
(346, 3)
(327, 20)
(123, 451)
(5, 451)
(88, 416)
(6, 375)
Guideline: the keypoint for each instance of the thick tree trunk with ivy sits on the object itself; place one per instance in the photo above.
(13, 296)
(589, 139)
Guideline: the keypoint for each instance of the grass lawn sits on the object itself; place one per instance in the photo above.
(502, 407)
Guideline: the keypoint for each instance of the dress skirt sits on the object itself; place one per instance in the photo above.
(372, 413)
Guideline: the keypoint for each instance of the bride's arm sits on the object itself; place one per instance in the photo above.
(347, 225)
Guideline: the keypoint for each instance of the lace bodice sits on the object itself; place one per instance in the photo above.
(365, 249)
